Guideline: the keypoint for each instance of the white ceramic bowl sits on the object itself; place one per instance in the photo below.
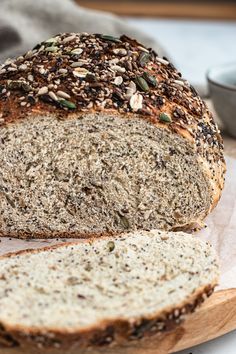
(222, 87)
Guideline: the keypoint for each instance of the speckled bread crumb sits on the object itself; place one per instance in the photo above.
(102, 117)
(103, 292)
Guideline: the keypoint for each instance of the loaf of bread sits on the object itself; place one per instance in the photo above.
(100, 135)
(102, 292)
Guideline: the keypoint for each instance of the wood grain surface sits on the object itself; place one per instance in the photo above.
(181, 9)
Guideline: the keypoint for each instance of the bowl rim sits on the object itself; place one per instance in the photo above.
(217, 83)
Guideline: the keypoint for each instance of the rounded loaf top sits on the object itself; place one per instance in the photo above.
(155, 153)
(79, 72)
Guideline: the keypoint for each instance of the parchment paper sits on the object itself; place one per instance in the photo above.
(220, 231)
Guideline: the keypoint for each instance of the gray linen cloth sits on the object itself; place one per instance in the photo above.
(24, 23)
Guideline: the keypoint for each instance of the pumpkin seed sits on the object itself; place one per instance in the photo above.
(164, 117)
(68, 104)
(142, 83)
(143, 59)
(111, 246)
(109, 38)
(150, 79)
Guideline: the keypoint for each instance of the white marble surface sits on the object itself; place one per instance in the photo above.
(195, 46)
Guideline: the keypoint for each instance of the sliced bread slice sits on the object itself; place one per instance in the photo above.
(107, 291)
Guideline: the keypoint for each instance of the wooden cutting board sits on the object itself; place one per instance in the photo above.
(218, 315)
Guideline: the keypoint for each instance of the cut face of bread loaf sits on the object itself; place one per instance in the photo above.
(105, 290)
(99, 135)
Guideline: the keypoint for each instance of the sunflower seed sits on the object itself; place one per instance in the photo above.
(118, 80)
(162, 61)
(164, 117)
(68, 39)
(53, 96)
(63, 94)
(179, 82)
(77, 64)
(80, 72)
(77, 51)
(63, 71)
(143, 49)
(68, 104)
(11, 69)
(136, 102)
(142, 83)
(43, 90)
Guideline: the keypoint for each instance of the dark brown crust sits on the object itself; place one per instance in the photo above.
(97, 92)
(116, 332)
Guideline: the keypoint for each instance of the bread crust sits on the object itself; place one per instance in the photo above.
(105, 334)
(101, 60)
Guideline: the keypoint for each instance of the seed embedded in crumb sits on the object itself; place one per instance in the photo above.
(111, 246)
(164, 117)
